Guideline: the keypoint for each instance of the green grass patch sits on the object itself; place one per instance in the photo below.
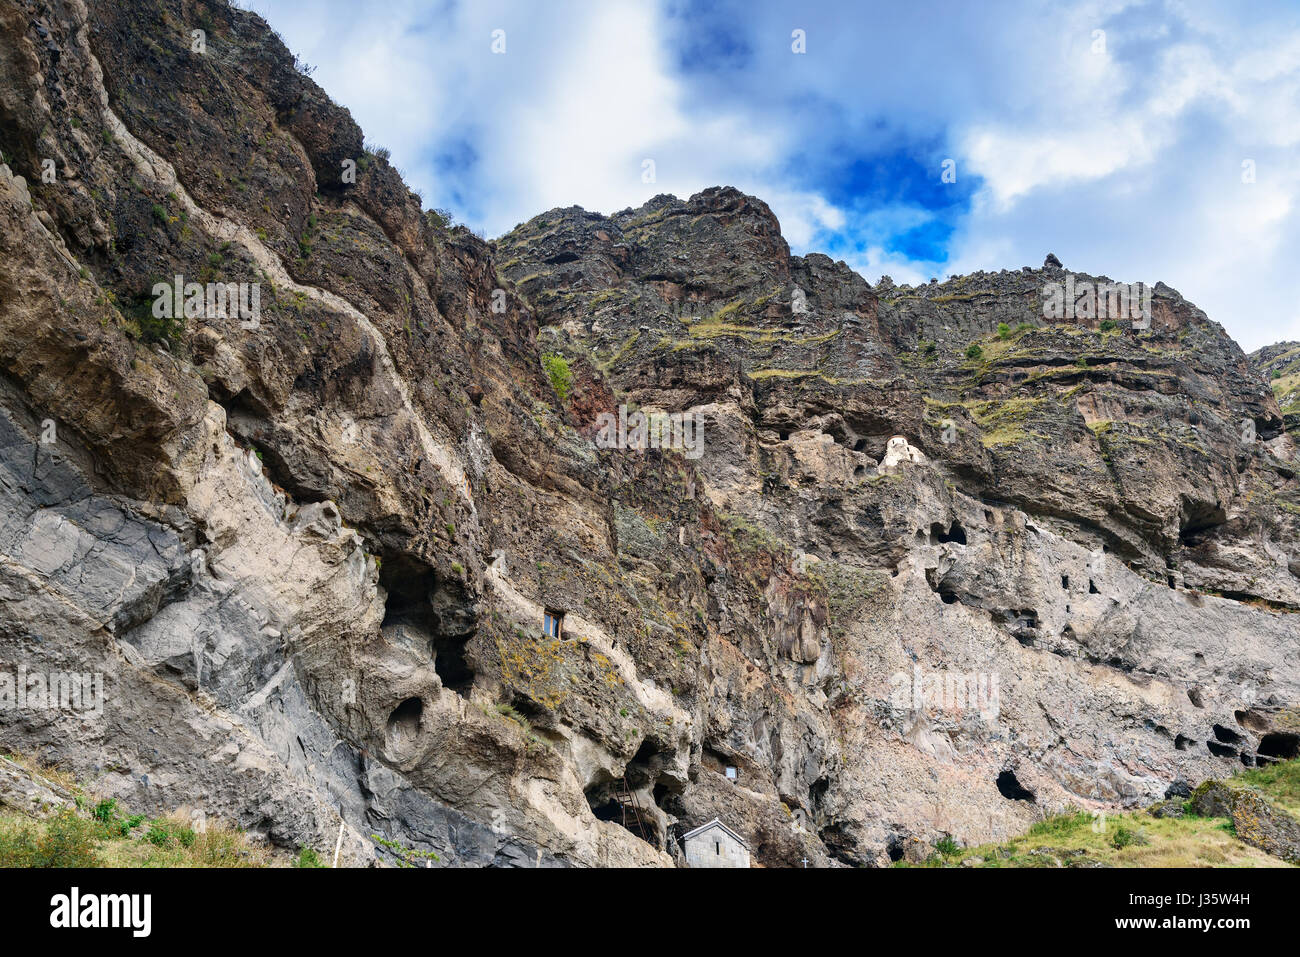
(1003, 421)
(1133, 838)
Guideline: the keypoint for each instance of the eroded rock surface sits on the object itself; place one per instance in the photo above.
(906, 590)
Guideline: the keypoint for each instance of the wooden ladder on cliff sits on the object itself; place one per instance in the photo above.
(633, 820)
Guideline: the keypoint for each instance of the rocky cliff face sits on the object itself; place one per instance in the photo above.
(1280, 365)
(311, 554)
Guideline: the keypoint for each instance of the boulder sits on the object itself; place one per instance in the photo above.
(1263, 825)
(1212, 799)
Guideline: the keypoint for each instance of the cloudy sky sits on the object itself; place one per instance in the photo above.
(1143, 141)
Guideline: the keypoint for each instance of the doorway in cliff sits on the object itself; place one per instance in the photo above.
(646, 772)
(432, 612)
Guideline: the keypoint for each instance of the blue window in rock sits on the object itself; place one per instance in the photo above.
(551, 623)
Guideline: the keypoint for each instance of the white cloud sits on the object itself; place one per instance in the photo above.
(804, 216)
(1146, 180)
(1125, 161)
(875, 263)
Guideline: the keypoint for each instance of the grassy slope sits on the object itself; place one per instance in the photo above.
(1281, 783)
(73, 841)
(1135, 839)
(104, 834)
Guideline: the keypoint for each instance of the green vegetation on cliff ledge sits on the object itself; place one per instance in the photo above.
(561, 376)
(1285, 380)
(1003, 420)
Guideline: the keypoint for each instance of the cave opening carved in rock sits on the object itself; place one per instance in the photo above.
(894, 848)
(643, 797)
(953, 533)
(614, 800)
(1198, 520)
(425, 610)
(1226, 735)
(1221, 750)
(404, 724)
(1251, 720)
(1281, 745)
(941, 588)
(1011, 789)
